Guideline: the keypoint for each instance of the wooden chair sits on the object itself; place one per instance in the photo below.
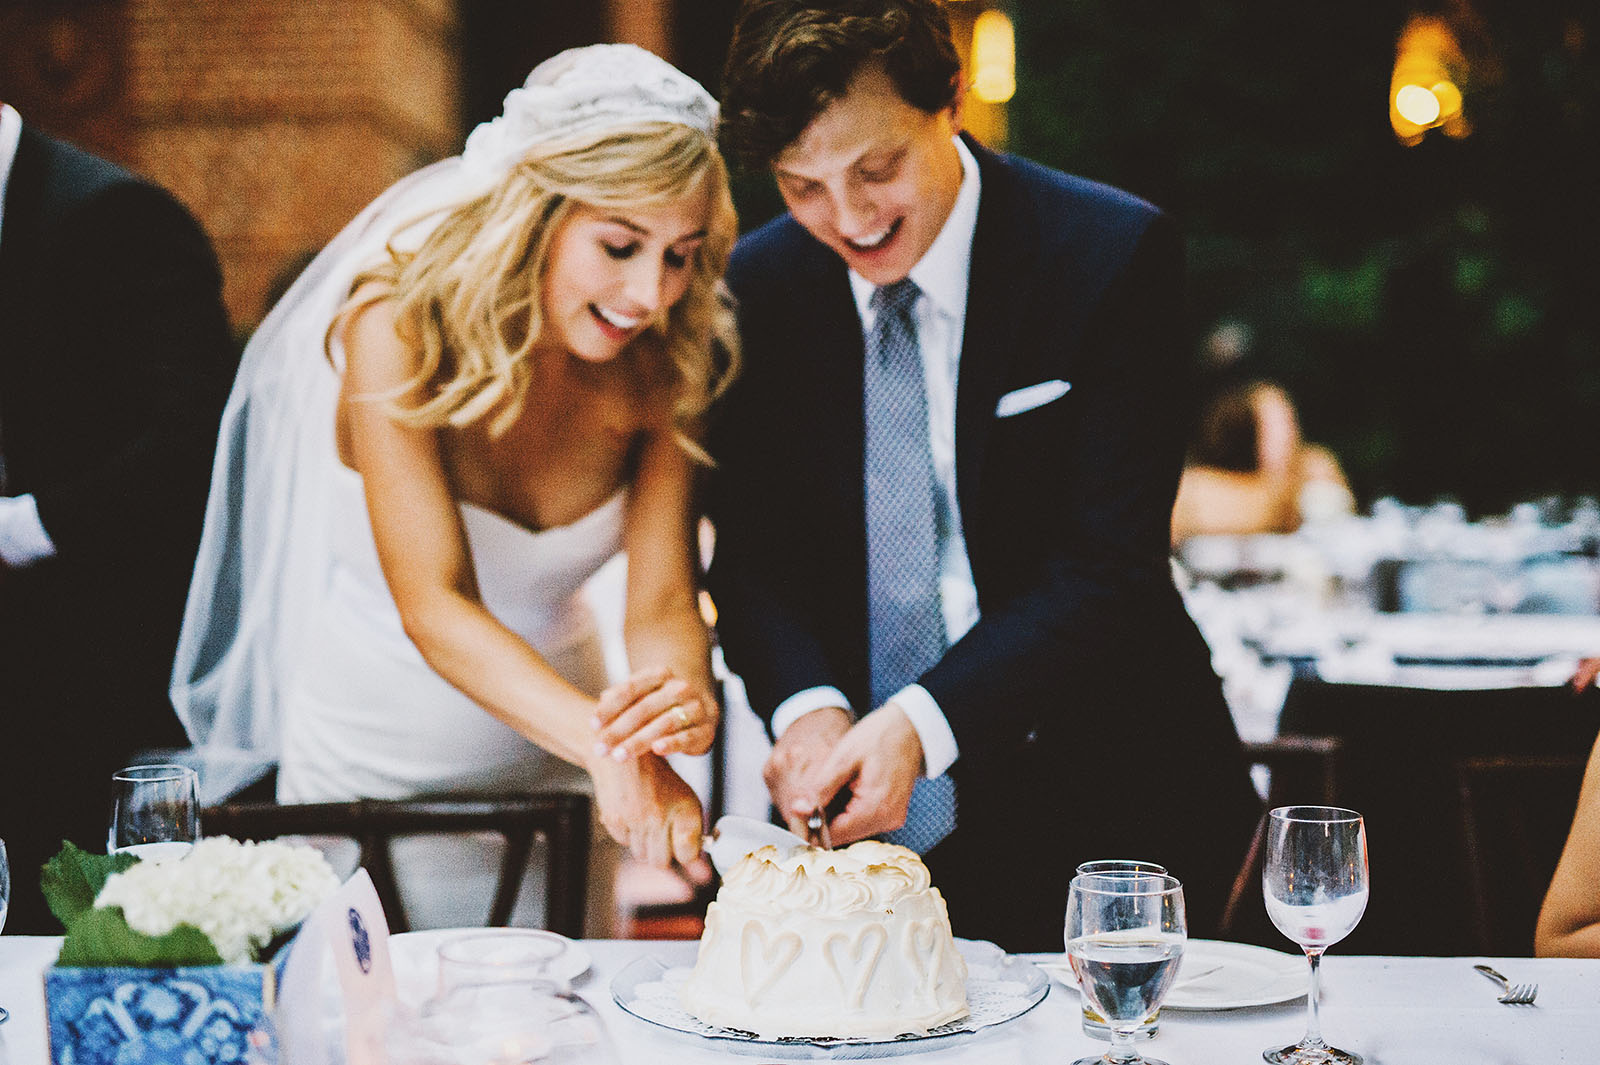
(561, 818)
(1515, 814)
(1303, 770)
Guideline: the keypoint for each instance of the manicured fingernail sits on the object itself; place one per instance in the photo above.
(601, 750)
(619, 754)
(660, 746)
(596, 722)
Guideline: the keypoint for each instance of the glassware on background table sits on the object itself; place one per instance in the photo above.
(1124, 935)
(5, 904)
(1314, 879)
(1095, 1025)
(500, 1003)
(155, 811)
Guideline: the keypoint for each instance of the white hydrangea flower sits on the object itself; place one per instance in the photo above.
(239, 894)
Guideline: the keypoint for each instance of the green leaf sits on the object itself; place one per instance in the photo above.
(71, 880)
(102, 938)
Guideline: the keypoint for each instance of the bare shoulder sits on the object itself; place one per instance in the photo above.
(376, 353)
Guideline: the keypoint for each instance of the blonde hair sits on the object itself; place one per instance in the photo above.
(468, 298)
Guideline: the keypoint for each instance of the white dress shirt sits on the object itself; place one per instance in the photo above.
(23, 540)
(941, 275)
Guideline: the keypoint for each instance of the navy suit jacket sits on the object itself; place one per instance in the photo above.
(1083, 640)
(115, 359)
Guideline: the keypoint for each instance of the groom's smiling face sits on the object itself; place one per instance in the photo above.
(873, 177)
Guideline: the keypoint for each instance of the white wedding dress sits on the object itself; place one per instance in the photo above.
(292, 652)
(366, 717)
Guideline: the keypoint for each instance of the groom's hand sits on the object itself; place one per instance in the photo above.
(804, 746)
(880, 759)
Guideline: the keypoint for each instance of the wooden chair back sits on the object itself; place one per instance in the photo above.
(561, 818)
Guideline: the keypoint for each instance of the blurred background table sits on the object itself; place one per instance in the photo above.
(1434, 654)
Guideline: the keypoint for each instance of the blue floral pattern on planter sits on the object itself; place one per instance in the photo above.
(185, 1016)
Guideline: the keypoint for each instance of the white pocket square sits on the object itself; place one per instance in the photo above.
(1024, 399)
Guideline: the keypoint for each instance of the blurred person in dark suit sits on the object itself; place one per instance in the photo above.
(115, 354)
(945, 485)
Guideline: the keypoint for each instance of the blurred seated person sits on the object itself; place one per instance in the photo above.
(1569, 921)
(1250, 471)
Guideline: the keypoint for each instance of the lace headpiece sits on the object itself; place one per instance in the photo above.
(587, 90)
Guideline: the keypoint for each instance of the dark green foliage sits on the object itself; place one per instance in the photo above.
(1435, 310)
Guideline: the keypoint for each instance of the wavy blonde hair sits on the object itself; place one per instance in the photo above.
(468, 298)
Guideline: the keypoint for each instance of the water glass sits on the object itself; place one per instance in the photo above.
(500, 1003)
(1125, 934)
(1314, 879)
(5, 903)
(506, 955)
(1095, 1025)
(155, 811)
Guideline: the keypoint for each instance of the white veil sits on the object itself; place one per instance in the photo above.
(264, 553)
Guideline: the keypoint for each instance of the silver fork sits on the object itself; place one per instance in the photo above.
(1515, 994)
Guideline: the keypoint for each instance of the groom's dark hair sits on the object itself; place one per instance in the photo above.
(790, 59)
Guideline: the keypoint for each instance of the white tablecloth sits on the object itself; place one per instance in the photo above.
(1395, 1011)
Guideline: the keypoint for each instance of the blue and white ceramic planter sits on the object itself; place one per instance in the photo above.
(183, 1016)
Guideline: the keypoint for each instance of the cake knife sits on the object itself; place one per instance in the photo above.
(817, 830)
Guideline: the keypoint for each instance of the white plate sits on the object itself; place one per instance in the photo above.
(1227, 976)
(1000, 988)
(416, 957)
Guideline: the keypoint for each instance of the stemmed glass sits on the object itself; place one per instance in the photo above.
(1315, 884)
(155, 811)
(5, 904)
(1125, 934)
(1095, 1025)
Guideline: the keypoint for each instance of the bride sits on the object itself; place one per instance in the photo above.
(489, 383)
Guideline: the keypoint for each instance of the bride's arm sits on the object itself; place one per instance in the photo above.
(1569, 922)
(668, 704)
(426, 561)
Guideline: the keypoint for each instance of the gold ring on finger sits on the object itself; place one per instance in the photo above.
(681, 715)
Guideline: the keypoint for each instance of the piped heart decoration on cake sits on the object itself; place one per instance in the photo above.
(922, 941)
(861, 957)
(763, 963)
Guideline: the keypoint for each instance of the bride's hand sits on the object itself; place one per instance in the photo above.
(648, 808)
(654, 711)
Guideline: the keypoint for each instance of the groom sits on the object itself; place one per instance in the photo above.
(945, 483)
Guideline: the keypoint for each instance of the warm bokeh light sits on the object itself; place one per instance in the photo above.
(1423, 91)
(994, 58)
(1417, 105)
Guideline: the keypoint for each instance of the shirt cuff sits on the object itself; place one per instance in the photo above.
(802, 703)
(939, 750)
(23, 540)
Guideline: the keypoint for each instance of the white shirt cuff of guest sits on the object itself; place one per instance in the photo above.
(23, 540)
(939, 750)
(802, 703)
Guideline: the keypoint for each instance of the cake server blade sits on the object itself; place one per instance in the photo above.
(733, 837)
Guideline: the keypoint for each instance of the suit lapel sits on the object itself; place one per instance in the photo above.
(1001, 263)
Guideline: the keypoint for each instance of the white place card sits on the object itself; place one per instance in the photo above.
(349, 926)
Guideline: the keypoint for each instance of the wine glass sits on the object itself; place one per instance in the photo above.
(1315, 883)
(1095, 1025)
(5, 904)
(155, 811)
(1125, 934)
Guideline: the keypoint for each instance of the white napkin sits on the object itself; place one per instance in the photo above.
(733, 837)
